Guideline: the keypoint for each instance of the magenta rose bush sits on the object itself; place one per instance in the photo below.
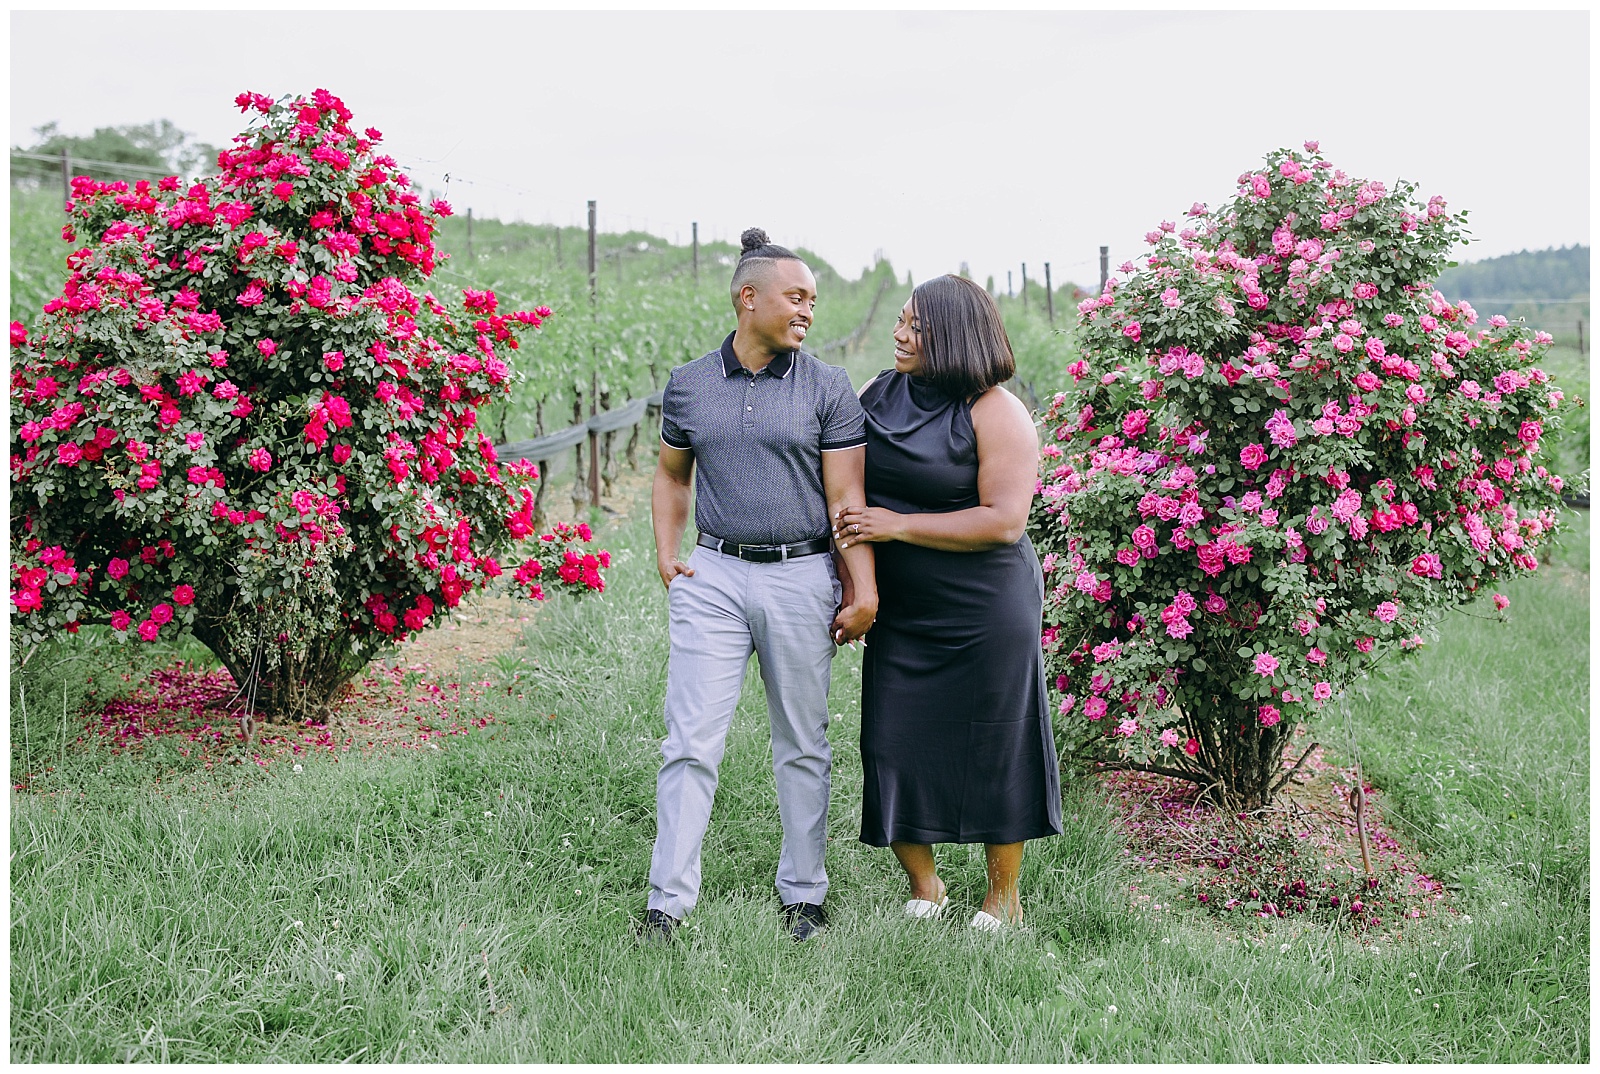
(1283, 456)
(247, 417)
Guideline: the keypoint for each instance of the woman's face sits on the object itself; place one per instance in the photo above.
(908, 341)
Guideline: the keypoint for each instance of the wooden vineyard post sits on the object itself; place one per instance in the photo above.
(66, 176)
(1024, 285)
(592, 310)
(594, 356)
(1049, 295)
(694, 241)
(1105, 263)
(1580, 335)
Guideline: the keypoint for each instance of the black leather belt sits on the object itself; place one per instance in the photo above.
(764, 553)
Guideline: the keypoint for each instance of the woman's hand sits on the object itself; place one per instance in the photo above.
(852, 525)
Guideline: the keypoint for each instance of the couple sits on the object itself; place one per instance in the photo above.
(920, 490)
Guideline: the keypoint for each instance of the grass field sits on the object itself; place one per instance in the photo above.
(475, 903)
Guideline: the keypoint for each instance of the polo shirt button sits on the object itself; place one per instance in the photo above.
(749, 408)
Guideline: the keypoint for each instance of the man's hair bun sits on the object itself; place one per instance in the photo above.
(753, 239)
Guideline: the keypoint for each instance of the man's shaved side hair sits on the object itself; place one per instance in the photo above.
(757, 258)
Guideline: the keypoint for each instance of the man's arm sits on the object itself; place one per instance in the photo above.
(844, 482)
(670, 495)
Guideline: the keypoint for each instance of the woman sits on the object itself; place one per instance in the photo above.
(956, 741)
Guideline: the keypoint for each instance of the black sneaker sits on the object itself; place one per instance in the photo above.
(657, 928)
(804, 920)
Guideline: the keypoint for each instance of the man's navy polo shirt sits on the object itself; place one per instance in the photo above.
(758, 441)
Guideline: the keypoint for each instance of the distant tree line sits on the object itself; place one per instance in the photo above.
(123, 152)
(1538, 275)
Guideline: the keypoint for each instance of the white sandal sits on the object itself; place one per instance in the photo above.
(926, 909)
(985, 922)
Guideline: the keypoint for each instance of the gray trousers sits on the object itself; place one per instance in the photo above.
(783, 612)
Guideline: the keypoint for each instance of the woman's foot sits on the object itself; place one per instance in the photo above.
(928, 896)
(930, 890)
(928, 899)
(1004, 861)
(1006, 909)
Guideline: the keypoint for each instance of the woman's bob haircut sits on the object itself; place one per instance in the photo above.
(965, 351)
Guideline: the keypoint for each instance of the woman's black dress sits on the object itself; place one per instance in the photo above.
(955, 726)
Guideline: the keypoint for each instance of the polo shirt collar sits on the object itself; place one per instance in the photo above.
(778, 367)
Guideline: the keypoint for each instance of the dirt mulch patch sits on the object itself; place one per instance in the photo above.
(1299, 857)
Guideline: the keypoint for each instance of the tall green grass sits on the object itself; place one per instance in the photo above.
(475, 903)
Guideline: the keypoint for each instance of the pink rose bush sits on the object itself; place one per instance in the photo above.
(248, 417)
(1282, 477)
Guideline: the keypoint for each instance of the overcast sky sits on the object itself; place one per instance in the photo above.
(935, 138)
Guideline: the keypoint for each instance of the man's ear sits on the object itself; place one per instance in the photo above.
(747, 296)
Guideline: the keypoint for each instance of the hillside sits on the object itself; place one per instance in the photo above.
(1547, 288)
(1545, 275)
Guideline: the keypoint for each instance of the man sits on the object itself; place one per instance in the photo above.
(774, 442)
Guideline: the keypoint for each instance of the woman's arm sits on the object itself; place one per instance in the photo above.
(1008, 466)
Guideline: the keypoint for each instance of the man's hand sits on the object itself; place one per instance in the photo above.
(854, 620)
(671, 567)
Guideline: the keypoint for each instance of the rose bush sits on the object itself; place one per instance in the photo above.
(1283, 456)
(244, 417)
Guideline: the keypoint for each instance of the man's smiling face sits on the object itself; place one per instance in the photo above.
(785, 297)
